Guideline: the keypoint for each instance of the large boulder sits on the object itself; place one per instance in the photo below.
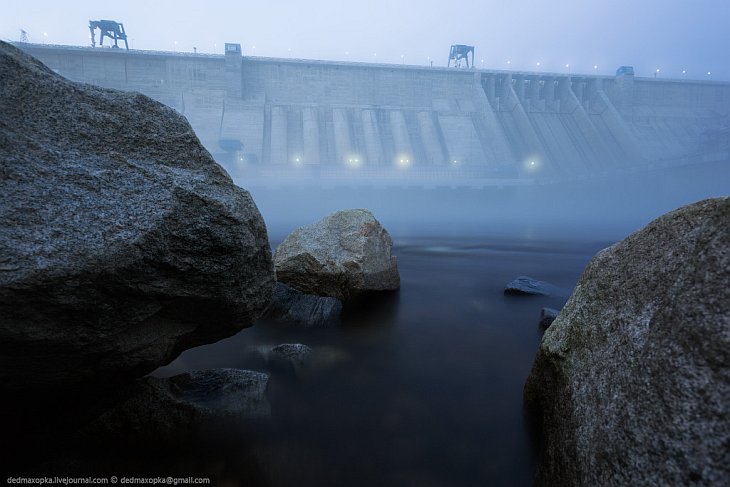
(631, 383)
(343, 255)
(122, 242)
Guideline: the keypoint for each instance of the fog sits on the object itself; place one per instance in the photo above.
(646, 153)
(600, 209)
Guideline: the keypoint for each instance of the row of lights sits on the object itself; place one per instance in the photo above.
(403, 57)
(401, 161)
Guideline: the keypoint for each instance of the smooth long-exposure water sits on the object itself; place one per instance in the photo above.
(424, 386)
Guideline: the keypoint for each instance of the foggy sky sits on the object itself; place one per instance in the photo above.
(670, 35)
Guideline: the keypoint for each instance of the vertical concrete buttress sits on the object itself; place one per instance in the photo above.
(343, 144)
(401, 139)
(279, 152)
(310, 123)
(430, 138)
(373, 147)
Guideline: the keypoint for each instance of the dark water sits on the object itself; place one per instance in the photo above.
(423, 387)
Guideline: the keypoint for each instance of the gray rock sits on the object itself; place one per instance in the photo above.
(547, 316)
(122, 242)
(163, 410)
(306, 310)
(528, 285)
(631, 383)
(290, 355)
(343, 255)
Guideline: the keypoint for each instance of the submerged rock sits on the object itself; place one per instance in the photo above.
(162, 410)
(309, 311)
(293, 356)
(122, 242)
(343, 255)
(547, 316)
(631, 382)
(528, 285)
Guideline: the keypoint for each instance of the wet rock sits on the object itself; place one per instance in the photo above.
(631, 382)
(528, 285)
(547, 316)
(306, 310)
(343, 255)
(290, 356)
(122, 243)
(164, 410)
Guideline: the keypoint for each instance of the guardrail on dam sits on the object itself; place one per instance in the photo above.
(290, 118)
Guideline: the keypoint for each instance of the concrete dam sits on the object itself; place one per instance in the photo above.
(284, 118)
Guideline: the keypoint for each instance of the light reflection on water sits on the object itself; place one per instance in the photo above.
(423, 387)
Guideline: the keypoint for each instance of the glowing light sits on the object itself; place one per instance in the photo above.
(538, 64)
(709, 73)
(297, 161)
(403, 161)
(353, 160)
(532, 163)
(684, 71)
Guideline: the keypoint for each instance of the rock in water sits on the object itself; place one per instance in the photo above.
(528, 285)
(631, 383)
(290, 357)
(342, 255)
(306, 310)
(163, 410)
(122, 242)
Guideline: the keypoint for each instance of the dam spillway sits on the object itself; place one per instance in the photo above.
(280, 118)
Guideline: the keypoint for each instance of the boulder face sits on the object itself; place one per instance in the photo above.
(343, 255)
(631, 382)
(122, 242)
(291, 307)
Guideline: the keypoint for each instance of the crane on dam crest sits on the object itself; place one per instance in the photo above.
(459, 52)
(109, 28)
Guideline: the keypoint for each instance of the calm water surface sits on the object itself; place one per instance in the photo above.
(423, 387)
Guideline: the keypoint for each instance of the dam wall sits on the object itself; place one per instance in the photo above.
(295, 118)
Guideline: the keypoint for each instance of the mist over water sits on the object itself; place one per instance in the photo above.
(606, 208)
(424, 387)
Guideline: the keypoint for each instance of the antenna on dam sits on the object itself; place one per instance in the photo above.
(459, 52)
(109, 28)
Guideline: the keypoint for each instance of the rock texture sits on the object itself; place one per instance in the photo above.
(528, 285)
(306, 310)
(547, 316)
(290, 356)
(343, 255)
(631, 383)
(164, 410)
(122, 242)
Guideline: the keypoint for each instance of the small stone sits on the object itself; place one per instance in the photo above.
(528, 285)
(292, 355)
